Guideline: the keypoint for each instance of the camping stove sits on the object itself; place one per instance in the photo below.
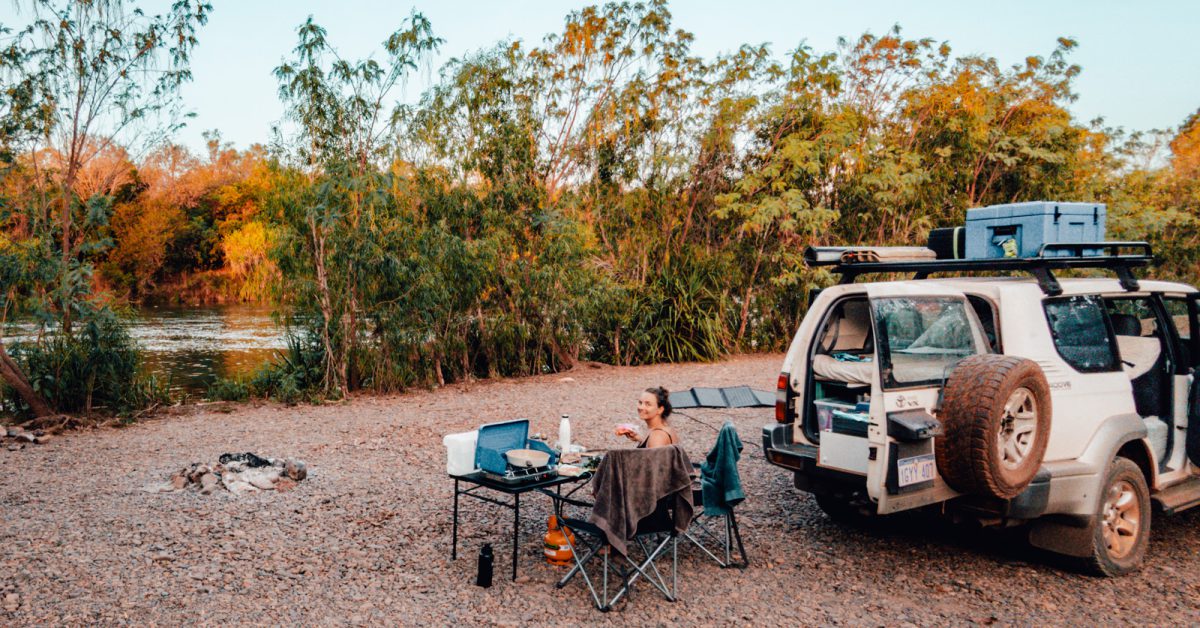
(519, 475)
(496, 439)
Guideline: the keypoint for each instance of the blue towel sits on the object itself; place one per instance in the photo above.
(719, 480)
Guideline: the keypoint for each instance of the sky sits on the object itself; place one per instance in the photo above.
(1140, 60)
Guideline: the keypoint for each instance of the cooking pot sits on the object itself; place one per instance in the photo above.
(527, 458)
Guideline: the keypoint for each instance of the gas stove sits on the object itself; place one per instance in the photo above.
(520, 475)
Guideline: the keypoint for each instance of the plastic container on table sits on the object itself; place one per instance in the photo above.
(460, 452)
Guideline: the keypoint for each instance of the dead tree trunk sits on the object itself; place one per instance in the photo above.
(12, 375)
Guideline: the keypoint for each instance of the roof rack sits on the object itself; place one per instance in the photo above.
(1120, 257)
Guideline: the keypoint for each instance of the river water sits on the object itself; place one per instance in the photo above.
(189, 348)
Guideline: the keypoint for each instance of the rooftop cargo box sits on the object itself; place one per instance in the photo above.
(1020, 229)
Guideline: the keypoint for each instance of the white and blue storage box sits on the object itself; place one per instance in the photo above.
(1020, 229)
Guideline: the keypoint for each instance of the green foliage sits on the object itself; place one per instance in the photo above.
(98, 368)
(296, 375)
(681, 316)
(604, 194)
(607, 195)
(75, 78)
(332, 220)
(228, 389)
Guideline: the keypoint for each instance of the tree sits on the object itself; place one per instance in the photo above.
(342, 117)
(108, 71)
(86, 73)
(1185, 148)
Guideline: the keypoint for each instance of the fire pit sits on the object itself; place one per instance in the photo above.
(238, 473)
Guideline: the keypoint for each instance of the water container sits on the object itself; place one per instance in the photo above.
(487, 560)
(564, 434)
(460, 452)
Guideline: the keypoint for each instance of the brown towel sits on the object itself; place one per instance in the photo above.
(629, 484)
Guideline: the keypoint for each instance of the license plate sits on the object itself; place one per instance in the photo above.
(916, 469)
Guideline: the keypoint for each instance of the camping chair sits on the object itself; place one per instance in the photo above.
(621, 496)
(720, 479)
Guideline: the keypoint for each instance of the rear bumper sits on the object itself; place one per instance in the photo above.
(781, 451)
(801, 460)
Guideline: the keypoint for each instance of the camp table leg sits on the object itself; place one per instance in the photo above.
(516, 530)
(454, 527)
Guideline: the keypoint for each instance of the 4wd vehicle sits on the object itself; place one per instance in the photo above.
(1070, 406)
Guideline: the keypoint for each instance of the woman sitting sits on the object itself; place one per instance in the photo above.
(654, 406)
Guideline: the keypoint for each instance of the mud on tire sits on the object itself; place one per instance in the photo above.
(996, 422)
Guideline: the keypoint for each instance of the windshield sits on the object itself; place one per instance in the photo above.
(921, 337)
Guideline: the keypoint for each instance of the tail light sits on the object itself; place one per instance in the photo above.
(783, 399)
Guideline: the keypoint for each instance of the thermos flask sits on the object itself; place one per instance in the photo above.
(484, 579)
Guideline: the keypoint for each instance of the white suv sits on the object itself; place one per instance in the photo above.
(1068, 405)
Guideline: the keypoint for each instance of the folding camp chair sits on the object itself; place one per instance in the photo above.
(655, 535)
(723, 481)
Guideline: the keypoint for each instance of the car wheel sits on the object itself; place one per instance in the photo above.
(996, 423)
(1122, 529)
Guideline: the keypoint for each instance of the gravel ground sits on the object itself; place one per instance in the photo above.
(365, 539)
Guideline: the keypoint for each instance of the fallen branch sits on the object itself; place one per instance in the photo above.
(54, 423)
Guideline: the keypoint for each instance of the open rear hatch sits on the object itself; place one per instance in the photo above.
(878, 364)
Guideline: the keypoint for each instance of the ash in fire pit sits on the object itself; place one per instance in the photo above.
(248, 459)
(237, 473)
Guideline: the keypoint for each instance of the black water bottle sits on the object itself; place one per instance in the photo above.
(484, 579)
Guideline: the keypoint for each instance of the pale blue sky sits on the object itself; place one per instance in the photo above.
(1141, 60)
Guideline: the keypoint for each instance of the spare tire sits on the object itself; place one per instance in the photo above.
(996, 422)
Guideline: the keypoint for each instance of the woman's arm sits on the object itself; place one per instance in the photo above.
(627, 432)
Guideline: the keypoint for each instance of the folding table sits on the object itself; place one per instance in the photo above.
(479, 480)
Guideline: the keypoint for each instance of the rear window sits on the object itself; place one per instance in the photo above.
(1081, 334)
(921, 338)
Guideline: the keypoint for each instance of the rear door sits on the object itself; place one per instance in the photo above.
(922, 332)
(1181, 312)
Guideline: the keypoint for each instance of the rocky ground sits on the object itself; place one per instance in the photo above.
(366, 537)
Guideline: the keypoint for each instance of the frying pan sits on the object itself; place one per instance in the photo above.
(527, 458)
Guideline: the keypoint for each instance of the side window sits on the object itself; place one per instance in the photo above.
(1177, 309)
(1181, 319)
(1080, 333)
(1133, 317)
(1141, 340)
(987, 319)
(847, 329)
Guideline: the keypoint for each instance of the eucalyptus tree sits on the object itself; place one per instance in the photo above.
(78, 77)
(105, 72)
(990, 134)
(483, 193)
(343, 120)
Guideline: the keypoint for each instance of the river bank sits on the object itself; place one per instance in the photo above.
(188, 348)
